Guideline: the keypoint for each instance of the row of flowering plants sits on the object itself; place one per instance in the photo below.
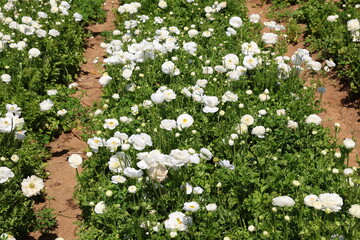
(206, 132)
(333, 29)
(41, 45)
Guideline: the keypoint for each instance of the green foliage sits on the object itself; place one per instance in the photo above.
(265, 167)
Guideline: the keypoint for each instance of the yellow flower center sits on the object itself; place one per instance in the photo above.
(31, 185)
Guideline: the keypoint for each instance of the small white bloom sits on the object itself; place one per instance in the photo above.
(75, 160)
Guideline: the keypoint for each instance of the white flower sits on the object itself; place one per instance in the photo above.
(250, 62)
(193, 32)
(111, 124)
(158, 173)
(169, 67)
(198, 190)
(177, 221)
(34, 52)
(283, 201)
(52, 92)
(168, 124)
(5, 174)
(355, 210)
(133, 173)
(254, 18)
(269, 38)
(54, 33)
(78, 17)
(162, 4)
(309, 200)
(75, 160)
(132, 189)
(61, 112)
(251, 228)
(140, 141)
(226, 164)
(353, 25)
(32, 186)
(292, 125)
(313, 118)
(247, 120)
(184, 120)
(235, 22)
(210, 103)
(331, 202)
(118, 179)
(46, 105)
(158, 97)
(105, 79)
(100, 207)
(230, 61)
(211, 207)
(191, 206)
(281, 112)
(332, 18)
(169, 95)
(259, 131)
(348, 171)
(6, 236)
(349, 143)
(5, 78)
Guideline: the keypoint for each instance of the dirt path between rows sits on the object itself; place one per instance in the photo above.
(336, 110)
(61, 182)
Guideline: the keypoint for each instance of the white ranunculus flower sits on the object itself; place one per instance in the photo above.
(5, 174)
(132, 189)
(259, 131)
(292, 125)
(78, 17)
(355, 210)
(111, 123)
(250, 62)
(254, 18)
(226, 164)
(247, 119)
(6, 236)
(157, 97)
(210, 103)
(178, 221)
(331, 202)
(162, 4)
(230, 61)
(184, 121)
(168, 124)
(235, 22)
(332, 18)
(46, 105)
(133, 173)
(158, 173)
(100, 207)
(313, 118)
(5, 78)
(211, 207)
(105, 79)
(309, 200)
(118, 179)
(34, 52)
(349, 143)
(191, 206)
(283, 201)
(269, 38)
(32, 186)
(353, 25)
(75, 160)
(169, 67)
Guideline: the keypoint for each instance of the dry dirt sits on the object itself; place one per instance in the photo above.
(337, 108)
(61, 182)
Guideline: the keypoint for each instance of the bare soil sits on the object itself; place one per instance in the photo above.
(61, 182)
(335, 101)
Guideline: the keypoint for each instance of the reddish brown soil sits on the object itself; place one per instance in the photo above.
(336, 110)
(61, 182)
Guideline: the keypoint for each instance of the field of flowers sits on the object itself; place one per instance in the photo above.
(41, 45)
(332, 30)
(204, 131)
(207, 132)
